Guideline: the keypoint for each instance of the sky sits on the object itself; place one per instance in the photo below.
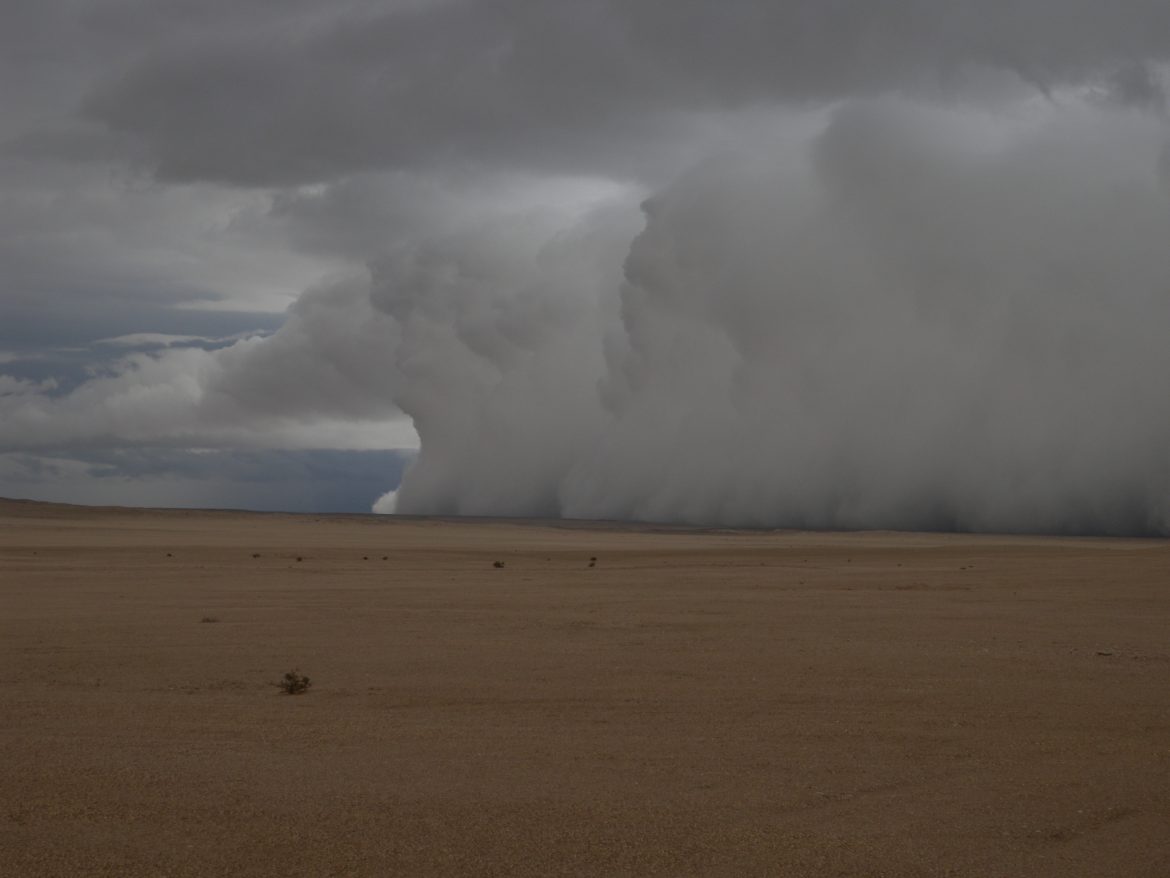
(764, 263)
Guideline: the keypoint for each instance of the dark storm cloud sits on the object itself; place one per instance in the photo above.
(583, 86)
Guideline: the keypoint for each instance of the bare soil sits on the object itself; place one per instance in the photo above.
(694, 703)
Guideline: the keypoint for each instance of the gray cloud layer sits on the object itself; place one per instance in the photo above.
(595, 85)
(845, 264)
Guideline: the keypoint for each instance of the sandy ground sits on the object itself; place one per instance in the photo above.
(694, 704)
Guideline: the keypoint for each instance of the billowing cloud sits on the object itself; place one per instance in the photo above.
(307, 387)
(796, 263)
(917, 321)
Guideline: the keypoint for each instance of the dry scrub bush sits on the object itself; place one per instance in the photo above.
(294, 683)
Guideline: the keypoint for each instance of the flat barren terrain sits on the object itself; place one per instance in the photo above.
(691, 703)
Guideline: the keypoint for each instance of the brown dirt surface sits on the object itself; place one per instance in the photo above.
(696, 703)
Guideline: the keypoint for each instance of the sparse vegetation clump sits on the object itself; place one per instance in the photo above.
(498, 565)
(294, 683)
(209, 619)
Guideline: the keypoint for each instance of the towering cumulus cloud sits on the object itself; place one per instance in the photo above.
(860, 264)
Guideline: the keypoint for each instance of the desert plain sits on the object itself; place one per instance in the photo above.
(688, 703)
